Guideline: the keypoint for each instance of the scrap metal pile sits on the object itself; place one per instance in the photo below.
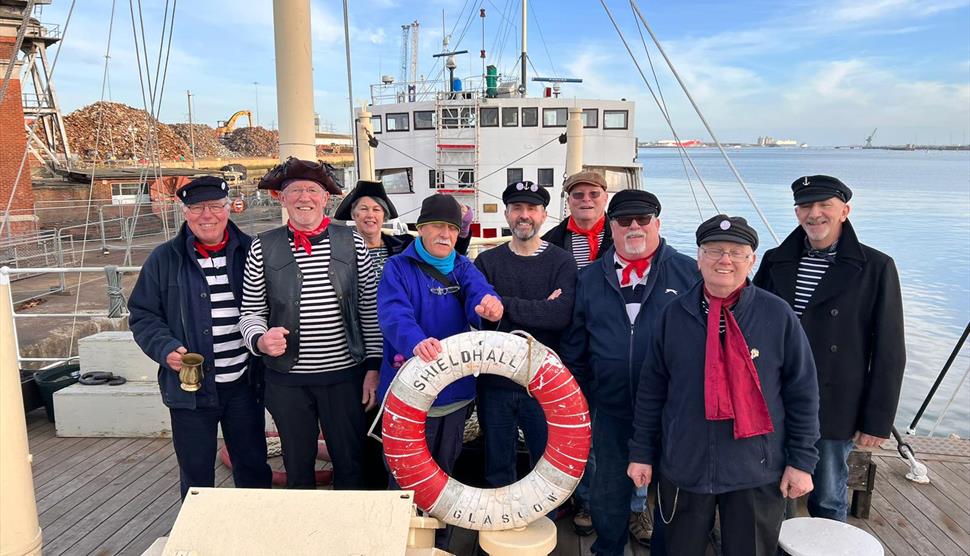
(207, 144)
(254, 141)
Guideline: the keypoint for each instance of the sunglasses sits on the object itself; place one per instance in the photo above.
(580, 195)
(625, 221)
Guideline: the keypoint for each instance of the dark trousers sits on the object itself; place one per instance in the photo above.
(611, 489)
(375, 472)
(243, 429)
(501, 412)
(301, 412)
(750, 520)
(444, 436)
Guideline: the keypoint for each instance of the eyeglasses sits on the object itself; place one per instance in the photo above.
(716, 254)
(580, 195)
(214, 208)
(298, 191)
(625, 221)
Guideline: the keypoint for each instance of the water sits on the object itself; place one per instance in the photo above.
(915, 206)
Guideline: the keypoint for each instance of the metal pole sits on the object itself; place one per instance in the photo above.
(350, 81)
(525, 10)
(939, 379)
(188, 94)
(574, 141)
(364, 150)
(256, 88)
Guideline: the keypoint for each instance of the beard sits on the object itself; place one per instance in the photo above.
(636, 243)
(523, 234)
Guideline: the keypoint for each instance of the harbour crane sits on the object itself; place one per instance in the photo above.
(409, 52)
(868, 144)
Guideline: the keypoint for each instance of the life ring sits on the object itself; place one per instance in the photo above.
(323, 476)
(529, 364)
(238, 205)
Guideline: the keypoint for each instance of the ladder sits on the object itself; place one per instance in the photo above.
(457, 146)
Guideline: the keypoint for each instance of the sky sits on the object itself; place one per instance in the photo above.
(823, 72)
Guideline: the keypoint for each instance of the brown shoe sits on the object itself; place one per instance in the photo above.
(641, 527)
(583, 522)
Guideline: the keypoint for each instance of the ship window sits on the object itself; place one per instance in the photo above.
(488, 117)
(435, 179)
(530, 117)
(510, 117)
(615, 119)
(554, 117)
(397, 121)
(546, 177)
(458, 118)
(377, 124)
(466, 177)
(396, 180)
(513, 175)
(590, 117)
(424, 119)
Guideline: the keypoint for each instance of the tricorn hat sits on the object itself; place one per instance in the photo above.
(295, 169)
(364, 188)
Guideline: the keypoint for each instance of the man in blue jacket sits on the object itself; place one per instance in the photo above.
(618, 300)
(187, 299)
(426, 294)
(727, 404)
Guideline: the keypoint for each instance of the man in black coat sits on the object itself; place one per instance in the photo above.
(848, 298)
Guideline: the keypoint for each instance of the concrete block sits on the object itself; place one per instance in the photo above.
(118, 353)
(134, 409)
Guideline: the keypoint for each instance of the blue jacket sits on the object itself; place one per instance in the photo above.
(703, 456)
(169, 307)
(408, 313)
(601, 348)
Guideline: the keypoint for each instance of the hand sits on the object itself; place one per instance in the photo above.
(428, 349)
(174, 359)
(369, 400)
(554, 294)
(795, 483)
(641, 473)
(490, 308)
(273, 342)
(864, 440)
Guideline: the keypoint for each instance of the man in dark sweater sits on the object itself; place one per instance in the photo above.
(537, 283)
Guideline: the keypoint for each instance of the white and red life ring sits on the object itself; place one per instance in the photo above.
(525, 362)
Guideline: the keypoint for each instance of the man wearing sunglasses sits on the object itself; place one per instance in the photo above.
(585, 233)
(187, 299)
(618, 301)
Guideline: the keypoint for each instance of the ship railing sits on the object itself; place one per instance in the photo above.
(422, 91)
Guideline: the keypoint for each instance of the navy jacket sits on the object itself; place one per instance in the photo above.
(600, 347)
(703, 456)
(169, 307)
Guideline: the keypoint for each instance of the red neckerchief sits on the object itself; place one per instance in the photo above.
(207, 250)
(302, 239)
(640, 266)
(732, 389)
(592, 234)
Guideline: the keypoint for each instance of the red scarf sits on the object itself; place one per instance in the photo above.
(732, 389)
(207, 250)
(302, 239)
(592, 234)
(640, 266)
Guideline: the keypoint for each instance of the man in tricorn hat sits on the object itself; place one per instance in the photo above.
(618, 300)
(310, 311)
(203, 263)
(727, 404)
(848, 299)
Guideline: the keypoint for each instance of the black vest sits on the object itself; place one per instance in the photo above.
(284, 285)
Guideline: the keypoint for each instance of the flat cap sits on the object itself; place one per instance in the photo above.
(809, 189)
(205, 188)
(440, 208)
(633, 202)
(727, 228)
(295, 169)
(374, 190)
(584, 178)
(525, 192)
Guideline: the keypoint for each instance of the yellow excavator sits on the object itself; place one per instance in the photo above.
(225, 127)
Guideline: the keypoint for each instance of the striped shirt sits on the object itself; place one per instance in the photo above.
(323, 341)
(231, 356)
(542, 247)
(706, 308)
(580, 248)
(632, 293)
(811, 269)
(378, 256)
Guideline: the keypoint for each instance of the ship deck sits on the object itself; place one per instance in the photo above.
(118, 495)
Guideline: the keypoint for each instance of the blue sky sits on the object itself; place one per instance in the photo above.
(824, 72)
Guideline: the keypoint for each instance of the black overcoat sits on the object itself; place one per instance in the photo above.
(854, 323)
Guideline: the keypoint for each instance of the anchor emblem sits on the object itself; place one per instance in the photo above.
(805, 180)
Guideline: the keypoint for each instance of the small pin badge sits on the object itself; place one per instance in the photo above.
(805, 181)
(725, 224)
(755, 353)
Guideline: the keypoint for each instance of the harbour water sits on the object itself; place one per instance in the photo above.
(913, 205)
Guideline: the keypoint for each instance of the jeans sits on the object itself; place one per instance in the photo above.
(501, 411)
(830, 499)
(611, 488)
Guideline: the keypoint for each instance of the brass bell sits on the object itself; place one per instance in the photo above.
(191, 373)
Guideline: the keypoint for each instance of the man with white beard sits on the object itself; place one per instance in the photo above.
(636, 279)
(537, 283)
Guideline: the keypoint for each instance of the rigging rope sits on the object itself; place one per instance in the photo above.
(15, 53)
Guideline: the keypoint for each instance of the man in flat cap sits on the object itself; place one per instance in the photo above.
(428, 293)
(727, 404)
(618, 300)
(585, 233)
(310, 311)
(848, 299)
(537, 282)
(187, 299)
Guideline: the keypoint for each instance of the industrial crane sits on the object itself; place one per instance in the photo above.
(868, 144)
(225, 127)
(409, 52)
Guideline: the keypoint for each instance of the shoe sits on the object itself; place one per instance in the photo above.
(583, 522)
(641, 527)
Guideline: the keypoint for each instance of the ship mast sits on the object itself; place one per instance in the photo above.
(525, 11)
